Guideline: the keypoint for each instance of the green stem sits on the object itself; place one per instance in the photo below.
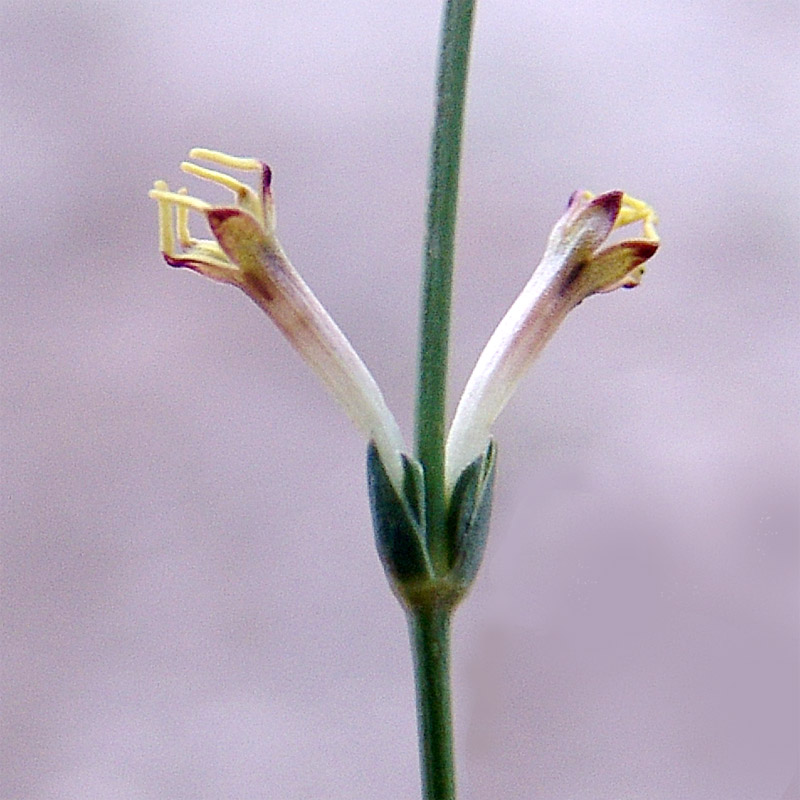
(430, 642)
(429, 623)
(438, 265)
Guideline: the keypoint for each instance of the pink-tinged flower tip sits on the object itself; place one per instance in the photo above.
(577, 263)
(245, 252)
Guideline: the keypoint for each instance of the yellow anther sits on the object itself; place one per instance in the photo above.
(206, 246)
(165, 239)
(247, 198)
(236, 186)
(234, 162)
(182, 222)
(633, 210)
(649, 228)
(178, 199)
(206, 249)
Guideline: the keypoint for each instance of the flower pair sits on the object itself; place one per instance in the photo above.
(245, 252)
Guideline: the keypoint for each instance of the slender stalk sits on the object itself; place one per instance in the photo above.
(430, 642)
(438, 264)
(429, 624)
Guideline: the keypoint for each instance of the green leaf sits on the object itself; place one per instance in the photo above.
(468, 517)
(399, 521)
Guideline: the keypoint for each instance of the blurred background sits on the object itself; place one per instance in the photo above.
(191, 600)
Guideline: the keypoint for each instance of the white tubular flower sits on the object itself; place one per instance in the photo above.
(246, 253)
(575, 265)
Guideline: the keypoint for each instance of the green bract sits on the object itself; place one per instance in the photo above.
(402, 537)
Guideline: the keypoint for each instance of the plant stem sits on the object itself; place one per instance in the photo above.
(430, 643)
(438, 265)
(429, 623)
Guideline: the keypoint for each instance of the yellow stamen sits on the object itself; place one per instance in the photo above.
(178, 199)
(633, 210)
(247, 198)
(205, 250)
(182, 223)
(166, 241)
(246, 164)
(185, 237)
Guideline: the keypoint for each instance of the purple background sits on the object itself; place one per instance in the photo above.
(192, 603)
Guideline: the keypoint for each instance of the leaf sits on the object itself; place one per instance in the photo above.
(399, 521)
(469, 515)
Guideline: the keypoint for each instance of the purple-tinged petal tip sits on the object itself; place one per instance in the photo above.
(179, 261)
(610, 202)
(266, 178)
(216, 216)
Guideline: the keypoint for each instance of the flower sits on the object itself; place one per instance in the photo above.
(576, 264)
(246, 253)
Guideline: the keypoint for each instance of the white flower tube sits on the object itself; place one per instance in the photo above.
(575, 265)
(246, 253)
